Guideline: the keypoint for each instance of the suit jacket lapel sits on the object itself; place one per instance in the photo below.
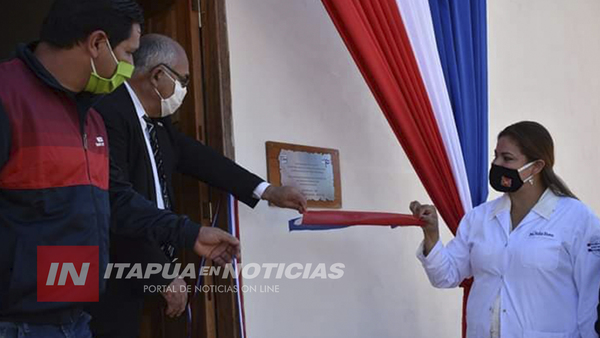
(140, 139)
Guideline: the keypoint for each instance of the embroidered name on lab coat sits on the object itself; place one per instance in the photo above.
(541, 234)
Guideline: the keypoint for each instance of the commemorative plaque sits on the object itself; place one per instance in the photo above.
(315, 171)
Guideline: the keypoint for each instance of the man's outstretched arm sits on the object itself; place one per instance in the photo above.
(207, 165)
(136, 217)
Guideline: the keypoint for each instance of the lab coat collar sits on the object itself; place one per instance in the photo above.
(544, 207)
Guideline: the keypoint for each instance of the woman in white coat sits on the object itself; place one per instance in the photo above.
(534, 253)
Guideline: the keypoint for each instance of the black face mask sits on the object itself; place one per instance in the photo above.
(507, 180)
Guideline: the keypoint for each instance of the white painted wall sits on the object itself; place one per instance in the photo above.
(294, 81)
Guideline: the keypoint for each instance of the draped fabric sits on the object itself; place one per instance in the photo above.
(375, 36)
(461, 35)
(418, 23)
(426, 65)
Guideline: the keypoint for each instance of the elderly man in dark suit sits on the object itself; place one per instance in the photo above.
(145, 145)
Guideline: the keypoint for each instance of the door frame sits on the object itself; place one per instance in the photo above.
(219, 136)
(200, 26)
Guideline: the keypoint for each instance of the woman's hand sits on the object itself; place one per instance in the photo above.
(428, 214)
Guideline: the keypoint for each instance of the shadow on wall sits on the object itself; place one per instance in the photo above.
(20, 21)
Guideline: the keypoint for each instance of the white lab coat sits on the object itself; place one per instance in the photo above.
(546, 271)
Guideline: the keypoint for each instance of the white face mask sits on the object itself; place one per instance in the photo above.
(170, 105)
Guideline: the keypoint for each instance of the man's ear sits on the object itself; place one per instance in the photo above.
(95, 44)
(155, 75)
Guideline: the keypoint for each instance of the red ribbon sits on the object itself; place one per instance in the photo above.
(349, 218)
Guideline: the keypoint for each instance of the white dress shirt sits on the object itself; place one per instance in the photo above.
(141, 112)
(546, 271)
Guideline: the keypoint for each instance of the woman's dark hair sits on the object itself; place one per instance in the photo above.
(535, 143)
(72, 21)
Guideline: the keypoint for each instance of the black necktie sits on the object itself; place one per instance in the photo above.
(162, 177)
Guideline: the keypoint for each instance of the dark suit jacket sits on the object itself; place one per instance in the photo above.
(180, 154)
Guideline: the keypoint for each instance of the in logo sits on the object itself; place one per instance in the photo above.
(67, 274)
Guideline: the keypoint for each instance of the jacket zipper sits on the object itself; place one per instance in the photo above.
(87, 166)
(87, 160)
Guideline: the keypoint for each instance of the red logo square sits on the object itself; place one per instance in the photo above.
(506, 182)
(67, 274)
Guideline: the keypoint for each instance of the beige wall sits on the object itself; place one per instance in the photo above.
(294, 81)
(545, 66)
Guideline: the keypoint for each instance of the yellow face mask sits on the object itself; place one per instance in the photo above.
(99, 85)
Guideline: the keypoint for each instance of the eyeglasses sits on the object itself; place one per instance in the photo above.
(184, 80)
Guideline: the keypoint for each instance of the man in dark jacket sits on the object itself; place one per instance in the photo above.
(146, 146)
(57, 187)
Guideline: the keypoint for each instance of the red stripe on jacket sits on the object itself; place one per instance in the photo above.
(47, 147)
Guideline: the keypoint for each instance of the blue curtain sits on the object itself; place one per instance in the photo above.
(461, 34)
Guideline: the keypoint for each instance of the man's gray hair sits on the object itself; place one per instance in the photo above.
(154, 50)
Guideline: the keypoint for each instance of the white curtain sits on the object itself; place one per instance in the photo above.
(419, 25)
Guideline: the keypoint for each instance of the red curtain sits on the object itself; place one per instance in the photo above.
(375, 35)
